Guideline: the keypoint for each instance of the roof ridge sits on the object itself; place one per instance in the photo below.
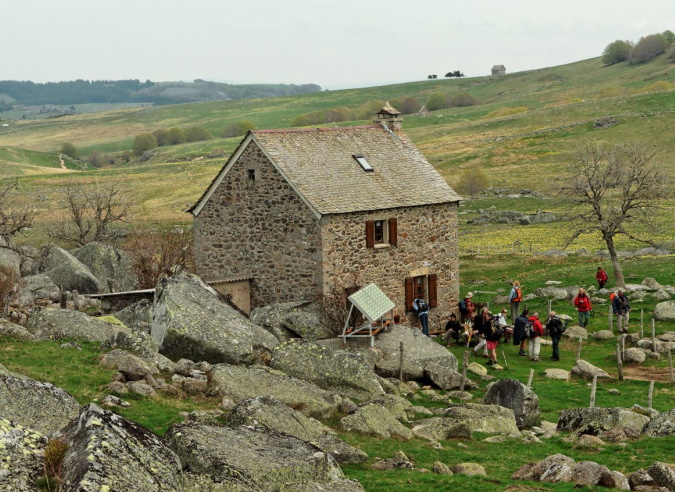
(316, 129)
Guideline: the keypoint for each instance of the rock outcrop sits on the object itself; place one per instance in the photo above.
(56, 324)
(292, 320)
(66, 271)
(513, 394)
(190, 321)
(111, 266)
(597, 421)
(21, 460)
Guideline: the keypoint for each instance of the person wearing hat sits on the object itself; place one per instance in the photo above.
(501, 319)
(515, 298)
(466, 308)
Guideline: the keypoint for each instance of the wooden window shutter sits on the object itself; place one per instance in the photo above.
(409, 293)
(370, 234)
(393, 234)
(433, 291)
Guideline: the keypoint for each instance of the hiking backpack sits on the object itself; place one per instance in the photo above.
(422, 306)
(462, 306)
(497, 328)
(529, 329)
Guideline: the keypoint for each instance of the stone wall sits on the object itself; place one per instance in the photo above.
(262, 228)
(427, 244)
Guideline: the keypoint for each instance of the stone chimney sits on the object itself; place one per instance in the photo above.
(390, 118)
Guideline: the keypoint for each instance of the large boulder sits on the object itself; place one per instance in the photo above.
(585, 369)
(489, 419)
(39, 287)
(34, 404)
(662, 425)
(343, 372)
(190, 321)
(554, 468)
(663, 474)
(576, 331)
(137, 342)
(293, 319)
(50, 324)
(418, 351)
(598, 421)
(240, 383)
(133, 368)
(634, 355)
(108, 452)
(16, 332)
(66, 271)
(442, 371)
(138, 316)
(251, 458)
(274, 415)
(665, 311)
(111, 266)
(21, 457)
(557, 293)
(375, 420)
(513, 394)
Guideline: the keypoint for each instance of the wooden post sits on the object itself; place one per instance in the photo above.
(400, 365)
(5, 311)
(650, 396)
(619, 362)
(550, 301)
(642, 333)
(529, 380)
(653, 336)
(610, 319)
(581, 341)
(623, 347)
(465, 365)
(63, 303)
(506, 364)
(593, 387)
(670, 365)
(76, 300)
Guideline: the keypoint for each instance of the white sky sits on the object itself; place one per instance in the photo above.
(333, 43)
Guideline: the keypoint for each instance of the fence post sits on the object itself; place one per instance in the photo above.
(581, 341)
(619, 362)
(465, 365)
(610, 319)
(653, 336)
(400, 365)
(529, 380)
(670, 365)
(650, 396)
(593, 387)
(642, 333)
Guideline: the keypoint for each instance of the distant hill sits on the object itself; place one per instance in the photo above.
(28, 93)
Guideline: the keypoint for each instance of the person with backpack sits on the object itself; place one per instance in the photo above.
(515, 298)
(466, 308)
(421, 307)
(601, 277)
(556, 327)
(481, 326)
(519, 337)
(621, 308)
(583, 304)
(493, 334)
(535, 331)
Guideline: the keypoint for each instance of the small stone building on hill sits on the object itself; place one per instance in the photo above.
(498, 70)
(305, 214)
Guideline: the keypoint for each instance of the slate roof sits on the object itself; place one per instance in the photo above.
(320, 166)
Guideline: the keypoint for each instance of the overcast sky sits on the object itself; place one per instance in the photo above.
(333, 43)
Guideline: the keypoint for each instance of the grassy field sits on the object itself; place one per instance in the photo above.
(78, 373)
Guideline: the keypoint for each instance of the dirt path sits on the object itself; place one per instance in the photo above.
(63, 164)
(661, 375)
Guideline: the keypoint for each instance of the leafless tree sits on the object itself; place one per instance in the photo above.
(14, 218)
(611, 190)
(92, 211)
(154, 253)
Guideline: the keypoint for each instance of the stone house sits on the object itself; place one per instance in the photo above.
(310, 214)
(498, 70)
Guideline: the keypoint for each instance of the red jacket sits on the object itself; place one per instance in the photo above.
(582, 303)
(536, 326)
(601, 276)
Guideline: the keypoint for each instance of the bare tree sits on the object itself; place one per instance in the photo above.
(92, 211)
(610, 190)
(14, 218)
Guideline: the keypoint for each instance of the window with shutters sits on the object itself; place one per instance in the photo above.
(381, 233)
(421, 287)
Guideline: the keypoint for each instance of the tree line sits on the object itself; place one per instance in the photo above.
(647, 48)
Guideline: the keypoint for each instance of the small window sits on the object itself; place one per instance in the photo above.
(363, 162)
(379, 231)
(250, 174)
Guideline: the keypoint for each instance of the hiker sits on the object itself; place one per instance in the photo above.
(453, 329)
(583, 304)
(556, 328)
(537, 332)
(466, 308)
(515, 298)
(519, 337)
(481, 326)
(621, 308)
(601, 277)
(493, 335)
(421, 307)
(506, 328)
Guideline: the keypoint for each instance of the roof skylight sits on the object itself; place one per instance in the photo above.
(363, 162)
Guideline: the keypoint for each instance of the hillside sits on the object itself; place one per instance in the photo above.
(556, 107)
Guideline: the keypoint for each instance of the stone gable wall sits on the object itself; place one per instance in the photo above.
(427, 244)
(261, 228)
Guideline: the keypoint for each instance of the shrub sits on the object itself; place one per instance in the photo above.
(238, 128)
(407, 105)
(505, 112)
(368, 109)
(162, 136)
(9, 279)
(176, 136)
(70, 150)
(472, 182)
(96, 159)
(334, 115)
(154, 253)
(143, 142)
(197, 134)
(436, 101)
(463, 100)
(647, 48)
(307, 119)
(616, 52)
